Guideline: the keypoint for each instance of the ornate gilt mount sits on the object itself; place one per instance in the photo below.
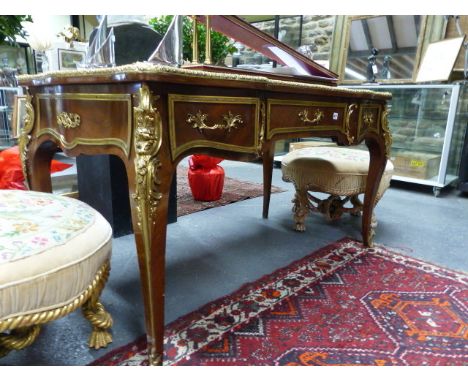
(347, 127)
(386, 132)
(25, 135)
(261, 140)
(316, 118)
(231, 121)
(68, 120)
(148, 138)
(368, 119)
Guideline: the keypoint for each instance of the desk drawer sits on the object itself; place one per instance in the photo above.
(291, 116)
(104, 119)
(230, 123)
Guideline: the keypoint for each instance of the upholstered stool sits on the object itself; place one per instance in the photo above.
(54, 258)
(340, 172)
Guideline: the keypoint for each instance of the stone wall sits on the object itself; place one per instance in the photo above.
(317, 34)
(315, 41)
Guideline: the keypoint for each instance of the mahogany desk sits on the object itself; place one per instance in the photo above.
(151, 117)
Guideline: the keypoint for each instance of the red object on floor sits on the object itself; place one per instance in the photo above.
(11, 171)
(342, 305)
(206, 178)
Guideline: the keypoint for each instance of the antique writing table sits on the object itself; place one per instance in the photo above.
(153, 116)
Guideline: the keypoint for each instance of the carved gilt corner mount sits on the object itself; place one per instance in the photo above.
(25, 135)
(147, 142)
(386, 132)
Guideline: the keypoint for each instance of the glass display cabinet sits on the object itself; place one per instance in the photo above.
(428, 125)
(461, 122)
(19, 57)
(7, 102)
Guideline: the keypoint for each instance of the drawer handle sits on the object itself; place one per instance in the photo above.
(68, 120)
(316, 118)
(230, 122)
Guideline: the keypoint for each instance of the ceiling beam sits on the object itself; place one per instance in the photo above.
(417, 24)
(401, 51)
(365, 27)
(391, 30)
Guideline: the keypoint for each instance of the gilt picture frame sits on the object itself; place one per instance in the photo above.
(345, 47)
(69, 59)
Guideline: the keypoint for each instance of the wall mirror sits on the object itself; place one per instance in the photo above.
(381, 48)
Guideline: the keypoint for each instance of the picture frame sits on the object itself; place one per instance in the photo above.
(62, 57)
(439, 60)
(69, 59)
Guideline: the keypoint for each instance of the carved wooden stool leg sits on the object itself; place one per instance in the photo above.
(18, 339)
(373, 220)
(332, 207)
(300, 209)
(95, 313)
(356, 204)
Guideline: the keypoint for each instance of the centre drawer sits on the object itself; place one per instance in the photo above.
(86, 119)
(291, 116)
(230, 123)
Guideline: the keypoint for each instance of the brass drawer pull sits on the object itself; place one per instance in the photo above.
(230, 122)
(317, 117)
(68, 120)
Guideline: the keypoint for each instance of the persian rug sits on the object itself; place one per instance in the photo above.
(342, 305)
(234, 190)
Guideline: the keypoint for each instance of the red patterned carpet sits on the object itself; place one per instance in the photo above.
(342, 305)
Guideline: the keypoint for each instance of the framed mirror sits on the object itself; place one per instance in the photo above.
(381, 48)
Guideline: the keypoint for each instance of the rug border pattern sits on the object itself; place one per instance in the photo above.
(205, 315)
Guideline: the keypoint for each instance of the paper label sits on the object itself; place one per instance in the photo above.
(417, 163)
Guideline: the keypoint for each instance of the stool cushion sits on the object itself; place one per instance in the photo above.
(51, 248)
(334, 170)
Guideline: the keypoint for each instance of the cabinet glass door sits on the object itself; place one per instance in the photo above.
(418, 121)
(460, 128)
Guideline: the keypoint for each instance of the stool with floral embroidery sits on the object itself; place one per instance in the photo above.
(54, 258)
